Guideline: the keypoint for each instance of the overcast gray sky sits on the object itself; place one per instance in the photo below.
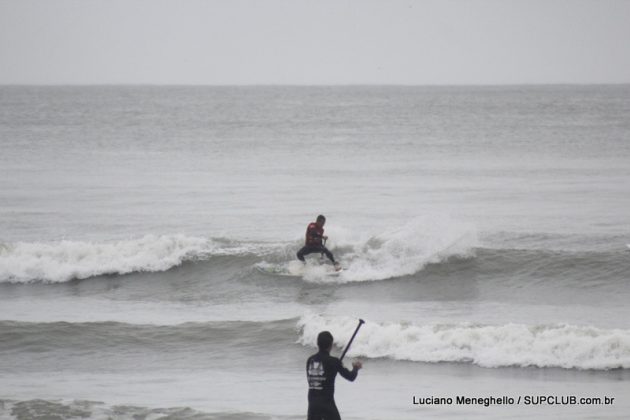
(314, 42)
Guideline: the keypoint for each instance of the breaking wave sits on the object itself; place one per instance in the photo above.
(398, 252)
(393, 253)
(62, 261)
(553, 345)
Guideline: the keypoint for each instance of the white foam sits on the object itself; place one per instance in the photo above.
(397, 252)
(311, 271)
(66, 260)
(554, 345)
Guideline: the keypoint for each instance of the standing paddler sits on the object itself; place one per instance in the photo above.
(314, 242)
(321, 370)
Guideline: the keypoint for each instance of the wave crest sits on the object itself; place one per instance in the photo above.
(62, 261)
(398, 252)
(553, 345)
(408, 249)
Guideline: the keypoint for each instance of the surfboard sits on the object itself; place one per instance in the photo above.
(275, 271)
(296, 271)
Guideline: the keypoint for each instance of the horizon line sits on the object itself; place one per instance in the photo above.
(312, 85)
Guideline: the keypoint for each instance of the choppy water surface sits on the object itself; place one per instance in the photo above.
(148, 234)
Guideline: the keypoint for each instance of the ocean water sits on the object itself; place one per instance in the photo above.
(148, 239)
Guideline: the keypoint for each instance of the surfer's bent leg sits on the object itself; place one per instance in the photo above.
(309, 249)
(328, 254)
(305, 251)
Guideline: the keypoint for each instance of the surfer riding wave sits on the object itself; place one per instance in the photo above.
(315, 242)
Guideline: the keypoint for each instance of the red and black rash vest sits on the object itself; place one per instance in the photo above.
(314, 235)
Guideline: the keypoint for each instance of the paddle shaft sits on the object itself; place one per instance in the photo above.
(361, 322)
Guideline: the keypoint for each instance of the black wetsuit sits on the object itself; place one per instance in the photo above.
(311, 249)
(321, 370)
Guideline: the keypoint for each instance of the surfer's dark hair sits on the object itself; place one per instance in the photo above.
(321, 218)
(324, 340)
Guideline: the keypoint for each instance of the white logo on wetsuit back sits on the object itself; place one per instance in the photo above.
(316, 375)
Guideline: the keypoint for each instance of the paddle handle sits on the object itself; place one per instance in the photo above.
(361, 322)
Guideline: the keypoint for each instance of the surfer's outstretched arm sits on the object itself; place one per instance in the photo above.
(350, 375)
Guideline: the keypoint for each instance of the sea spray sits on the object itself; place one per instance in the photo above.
(396, 252)
(407, 249)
